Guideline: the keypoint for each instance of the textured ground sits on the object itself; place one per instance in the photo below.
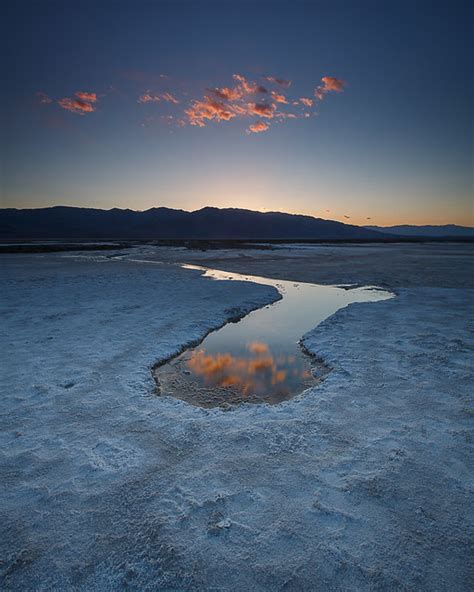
(407, 265)
(364, 483)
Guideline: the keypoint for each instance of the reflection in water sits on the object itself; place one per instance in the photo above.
(258, 359)
(255, 372)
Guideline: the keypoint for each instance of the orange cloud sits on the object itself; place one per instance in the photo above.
(220, 103)
(248, 88)
(224, 103)
(241, 89)
(227, 94)
(208, 109)
(258, 127)
(147, 98)
(280, 81)
(228, 102)
(279, 98)
(81, 105)
(261, 109)
(76, 106)
(229, 105)
(88, 97)
(329, 84)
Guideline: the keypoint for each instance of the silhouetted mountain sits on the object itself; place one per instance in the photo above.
(62, 222)
(434, 231)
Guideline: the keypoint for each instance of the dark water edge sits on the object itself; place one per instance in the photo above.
(25, 245)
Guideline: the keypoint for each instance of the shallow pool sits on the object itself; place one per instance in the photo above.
(259, 358)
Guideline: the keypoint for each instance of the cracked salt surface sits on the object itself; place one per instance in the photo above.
(365, 485)
(259, 358)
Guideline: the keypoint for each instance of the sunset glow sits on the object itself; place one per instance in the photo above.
(237, 243)
(345, 124)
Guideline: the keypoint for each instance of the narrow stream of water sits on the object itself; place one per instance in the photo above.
(259, 358)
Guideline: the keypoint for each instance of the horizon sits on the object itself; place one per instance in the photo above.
(353, 113)
(346, 222)
(208, 207)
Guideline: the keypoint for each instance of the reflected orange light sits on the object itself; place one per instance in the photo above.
(257, 347)
(262, 364)
(258, 372)
(279, 376)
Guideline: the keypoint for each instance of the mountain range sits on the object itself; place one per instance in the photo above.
(63, 222)
(445, 230)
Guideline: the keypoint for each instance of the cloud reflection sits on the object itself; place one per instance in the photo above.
(257, 373)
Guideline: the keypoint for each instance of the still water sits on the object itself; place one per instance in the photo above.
(259, 358)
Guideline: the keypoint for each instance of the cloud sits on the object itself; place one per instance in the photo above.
(88, 97)
(247, 87)
(243, 88)
(225, 103)
(282, 82)
(147, 97)
(208, 109)
(43, 98)
(307, 102)
(243, 99)
(257, 128)
(329, 84)
(227, 94)
(168, 97)
(84, 103)
(261, 109)
(76, 106)
(279, 98)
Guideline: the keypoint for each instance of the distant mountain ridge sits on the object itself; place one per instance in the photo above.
(425, 231)
(63, 222)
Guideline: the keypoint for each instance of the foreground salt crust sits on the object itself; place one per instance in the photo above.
(360, 484)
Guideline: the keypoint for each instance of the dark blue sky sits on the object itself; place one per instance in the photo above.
(392, 142)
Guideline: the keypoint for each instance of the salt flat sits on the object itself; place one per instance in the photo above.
(363, 483)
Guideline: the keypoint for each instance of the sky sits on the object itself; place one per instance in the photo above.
(356, 111)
